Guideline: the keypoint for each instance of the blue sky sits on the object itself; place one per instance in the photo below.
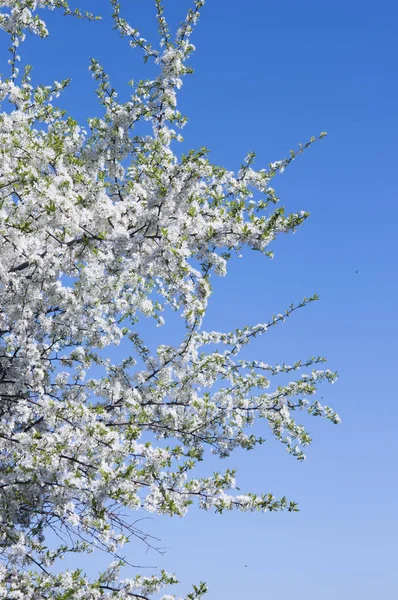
(269, 75)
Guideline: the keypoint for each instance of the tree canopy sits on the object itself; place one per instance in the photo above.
(101, 226)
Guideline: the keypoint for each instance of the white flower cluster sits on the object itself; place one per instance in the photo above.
(99, 229)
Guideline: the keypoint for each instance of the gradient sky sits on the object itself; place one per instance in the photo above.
(269, 75)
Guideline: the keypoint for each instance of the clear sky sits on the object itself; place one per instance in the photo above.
(268, 75)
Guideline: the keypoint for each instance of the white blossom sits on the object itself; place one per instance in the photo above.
(100, 230)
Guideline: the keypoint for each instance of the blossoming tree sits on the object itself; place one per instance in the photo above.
(99, 229)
